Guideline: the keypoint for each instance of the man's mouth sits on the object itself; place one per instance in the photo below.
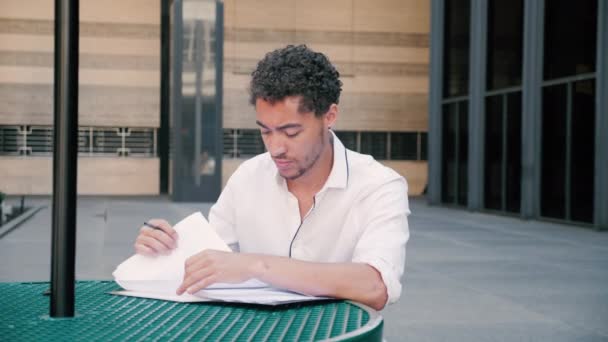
(282, 164)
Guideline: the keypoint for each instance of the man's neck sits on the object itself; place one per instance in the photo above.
(316, 177)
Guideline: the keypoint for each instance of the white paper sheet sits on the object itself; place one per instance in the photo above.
(159, 277)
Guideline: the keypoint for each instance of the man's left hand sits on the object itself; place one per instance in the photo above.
(211, 266)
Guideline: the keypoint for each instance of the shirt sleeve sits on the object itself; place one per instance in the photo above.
(383, 216)
(222, 215)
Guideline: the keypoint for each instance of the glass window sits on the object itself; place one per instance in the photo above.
(448, 172)
(553, 174)
(463, 152)
(374, 143)
(424, 145)
(513, 167)
(348, 139)
(505, 43)
(583, 152)
(455, 153)
(493, 168)
(570, 37)
(249, 143)
(404, 145)
(456, 48)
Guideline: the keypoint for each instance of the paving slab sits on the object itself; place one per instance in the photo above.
(469, 276)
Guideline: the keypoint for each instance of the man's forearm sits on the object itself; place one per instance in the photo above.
(355, 281)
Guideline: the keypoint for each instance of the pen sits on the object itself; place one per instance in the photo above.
(152, 226)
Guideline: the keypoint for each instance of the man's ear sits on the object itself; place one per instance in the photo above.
(331, 116)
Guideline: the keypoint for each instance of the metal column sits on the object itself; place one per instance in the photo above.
(531, 108)
(435, 107)
(163, 131)
(65, 158)
(601, 119)
(477, 86)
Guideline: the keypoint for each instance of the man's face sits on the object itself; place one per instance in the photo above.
(295, 140)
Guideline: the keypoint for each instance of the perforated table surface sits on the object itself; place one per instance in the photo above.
(24, 316)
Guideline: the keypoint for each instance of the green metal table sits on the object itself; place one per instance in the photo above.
(24, 316)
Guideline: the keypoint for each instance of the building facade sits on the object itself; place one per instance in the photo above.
(518, 117)
(381, 49)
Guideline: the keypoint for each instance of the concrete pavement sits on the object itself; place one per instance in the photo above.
(469, 276)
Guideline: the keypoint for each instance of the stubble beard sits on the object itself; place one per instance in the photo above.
(303, 170)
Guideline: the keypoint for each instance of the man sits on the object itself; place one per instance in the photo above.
(309, 215)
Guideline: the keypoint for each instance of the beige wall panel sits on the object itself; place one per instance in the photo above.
(128, 78)
(116, 176)
(358, 111)
(26, 75)
(108, 46)
(120, 11)
(255, 51)
(120, 46)
(28, 176)
(228, 168)
(98, 106)
(26, 42)
(381, 120)
(390, 54)
(392, 15)
(236, 81)
(229, 12)
(323, 15)
(356, 84)
(415, 172)
(27, 9)
(364, 84)
(44, 75)
(131, 11)
(268, 14)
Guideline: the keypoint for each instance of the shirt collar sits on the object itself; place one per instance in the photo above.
(338, 176)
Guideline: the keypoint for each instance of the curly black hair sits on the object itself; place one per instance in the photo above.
(297, 71)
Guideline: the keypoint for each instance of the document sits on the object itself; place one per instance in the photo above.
(159, 277)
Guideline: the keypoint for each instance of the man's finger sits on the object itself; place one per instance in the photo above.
(163, 237)
(165, 226)
(152, 243)
(203, 283)
(191, 278)
(144, 250)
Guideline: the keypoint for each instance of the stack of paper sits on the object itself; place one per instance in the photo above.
(159, 277)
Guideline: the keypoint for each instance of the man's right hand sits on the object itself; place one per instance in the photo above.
(152, 242)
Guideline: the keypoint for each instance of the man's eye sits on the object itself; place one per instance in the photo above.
(265, 132)
(291, 135)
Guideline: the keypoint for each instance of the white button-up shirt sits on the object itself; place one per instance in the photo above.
(360, 215)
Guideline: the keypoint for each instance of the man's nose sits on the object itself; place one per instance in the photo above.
(276, 145)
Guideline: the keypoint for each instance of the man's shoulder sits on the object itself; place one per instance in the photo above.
(364, 170)
(257, 165)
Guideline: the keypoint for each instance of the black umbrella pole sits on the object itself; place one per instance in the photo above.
(65, 158)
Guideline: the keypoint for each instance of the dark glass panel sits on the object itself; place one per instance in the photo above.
(424, 137)
(505, 43)
(553, 173)
(463, 152)
(348, 139)
(570, 37)
(583, 152)
(493, 167)
(374, 143)
(249, 143)
(514, 152)
(404, 146)
(456, 48)
(448, 172)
